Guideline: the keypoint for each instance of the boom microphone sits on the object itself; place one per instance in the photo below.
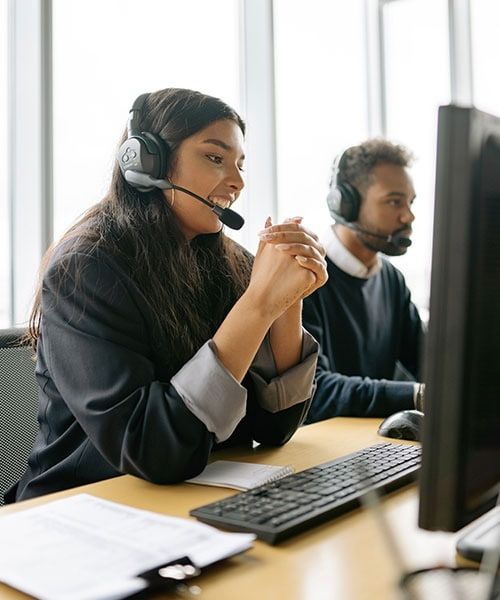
(144, 182)
(396, 239)
(227, 216)
(400, 240)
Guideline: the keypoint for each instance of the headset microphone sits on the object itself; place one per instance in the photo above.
(396, 239)
(400, 240)
(227, 216)
(144, 182)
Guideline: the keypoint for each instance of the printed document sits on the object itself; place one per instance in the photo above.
(83, 547)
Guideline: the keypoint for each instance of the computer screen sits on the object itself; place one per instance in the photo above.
(460, 475)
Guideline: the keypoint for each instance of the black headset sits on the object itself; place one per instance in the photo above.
(343, 199)
(142, 152)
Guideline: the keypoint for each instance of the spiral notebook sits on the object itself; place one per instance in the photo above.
(240, 475)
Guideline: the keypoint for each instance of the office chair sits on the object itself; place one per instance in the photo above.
(18, 406)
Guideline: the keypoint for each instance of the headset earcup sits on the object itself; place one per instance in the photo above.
(159, 151)
(132, 155)
(350, 202)
(144, 153)
(334, 202)
(343, 202)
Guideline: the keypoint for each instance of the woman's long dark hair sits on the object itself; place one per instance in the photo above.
(190, 285)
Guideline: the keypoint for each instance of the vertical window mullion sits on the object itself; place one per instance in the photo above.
(29, 153)
(460, 37)
(46, 125)
(259, 102)
(375, 71)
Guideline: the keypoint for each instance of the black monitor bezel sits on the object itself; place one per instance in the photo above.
(462, 133)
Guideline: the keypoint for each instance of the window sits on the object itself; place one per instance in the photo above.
(485, 17)
(108, 53)
(320, 99)
(417, 82)
(4, 186)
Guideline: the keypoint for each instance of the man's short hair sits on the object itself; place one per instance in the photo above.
(358, 161)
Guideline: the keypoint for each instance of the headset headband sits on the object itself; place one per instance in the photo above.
(135, 115)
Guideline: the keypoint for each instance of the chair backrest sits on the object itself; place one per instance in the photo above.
(18, 407)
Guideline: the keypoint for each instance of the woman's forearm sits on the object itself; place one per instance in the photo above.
(286, 338)
(241, 334)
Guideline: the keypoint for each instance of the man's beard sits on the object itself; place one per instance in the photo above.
(380, 245)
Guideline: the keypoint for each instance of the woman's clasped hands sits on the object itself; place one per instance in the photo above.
(289, 264)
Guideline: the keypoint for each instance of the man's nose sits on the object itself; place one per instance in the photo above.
(407, 216)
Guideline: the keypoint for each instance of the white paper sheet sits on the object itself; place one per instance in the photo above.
(83, 547)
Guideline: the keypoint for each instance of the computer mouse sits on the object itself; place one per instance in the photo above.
(403, 425)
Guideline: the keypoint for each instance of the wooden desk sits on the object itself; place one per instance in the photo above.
(344, 559)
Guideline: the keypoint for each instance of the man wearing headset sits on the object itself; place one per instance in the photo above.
(364, 318)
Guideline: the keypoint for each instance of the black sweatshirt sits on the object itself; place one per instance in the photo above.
(107, 405)
(364, 327)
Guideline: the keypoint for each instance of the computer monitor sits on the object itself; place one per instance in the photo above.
(460, 475)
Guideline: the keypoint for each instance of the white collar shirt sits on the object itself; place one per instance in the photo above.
(345, 260)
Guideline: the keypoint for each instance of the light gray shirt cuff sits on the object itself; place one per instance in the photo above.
(415, 393)
(211, 393)
(277, 392)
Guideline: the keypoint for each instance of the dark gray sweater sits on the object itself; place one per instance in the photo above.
(364, 327)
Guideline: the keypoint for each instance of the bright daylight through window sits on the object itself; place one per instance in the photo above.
(417, 82)
(94, 88)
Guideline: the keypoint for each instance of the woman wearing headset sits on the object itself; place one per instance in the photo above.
(157, 336)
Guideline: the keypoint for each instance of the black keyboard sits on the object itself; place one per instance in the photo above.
(276, 511)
